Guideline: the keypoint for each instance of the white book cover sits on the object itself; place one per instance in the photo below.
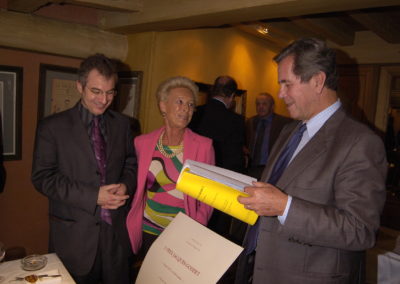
(230, 178)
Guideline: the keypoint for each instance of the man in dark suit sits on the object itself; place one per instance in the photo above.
(262, 130)
(227, 130)
(322, 212)
(84, 162)
(216, 121)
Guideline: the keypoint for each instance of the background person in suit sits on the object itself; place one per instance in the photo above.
(322, 213)
(227, 130)
(161, 155)
(262, 130)
(88, 194)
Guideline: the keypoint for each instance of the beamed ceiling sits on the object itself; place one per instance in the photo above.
(285, 20)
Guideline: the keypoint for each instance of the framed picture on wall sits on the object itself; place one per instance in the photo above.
(239, 105)
(11, 111)
(127, 100)
(57, 89)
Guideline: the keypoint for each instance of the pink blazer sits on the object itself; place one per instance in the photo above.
(196, 147)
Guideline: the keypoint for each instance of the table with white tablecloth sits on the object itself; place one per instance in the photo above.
(12, 269)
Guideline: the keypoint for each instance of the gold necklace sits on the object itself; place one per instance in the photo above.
(161, 148)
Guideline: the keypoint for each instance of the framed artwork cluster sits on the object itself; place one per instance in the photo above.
(57, 89)
(57, 92)
(129, 86)
(10, 109)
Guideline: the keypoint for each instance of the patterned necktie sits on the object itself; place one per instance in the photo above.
(99, 146)
(277, 171)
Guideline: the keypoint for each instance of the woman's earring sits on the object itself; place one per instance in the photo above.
(163, 114)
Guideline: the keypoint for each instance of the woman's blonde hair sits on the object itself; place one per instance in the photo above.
(176, 82)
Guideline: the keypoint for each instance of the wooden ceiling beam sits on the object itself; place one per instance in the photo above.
(256, 30)
(25, 6)
(115, 5)
(35, 33)
(332, 29)
(289, 30)
(385, 25)
(272, 43)
(157, 14)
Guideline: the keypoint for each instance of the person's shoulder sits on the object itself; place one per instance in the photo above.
(355, 126)
(347, 127)
(282, 118)
(237, 117)
(117, 115)
(197, 137)
(58, 118)
(148, 136)
(251, 118)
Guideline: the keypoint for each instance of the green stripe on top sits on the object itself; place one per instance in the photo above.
(150, 230)
(165, 209)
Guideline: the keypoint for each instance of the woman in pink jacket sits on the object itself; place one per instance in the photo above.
(161, 155)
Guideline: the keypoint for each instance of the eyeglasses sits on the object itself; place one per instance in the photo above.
(97, 92)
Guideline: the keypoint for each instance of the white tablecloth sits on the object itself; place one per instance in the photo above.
(12, 269)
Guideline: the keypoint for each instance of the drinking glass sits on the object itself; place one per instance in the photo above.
(2, 255)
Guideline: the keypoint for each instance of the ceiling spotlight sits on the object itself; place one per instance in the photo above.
(262, 30)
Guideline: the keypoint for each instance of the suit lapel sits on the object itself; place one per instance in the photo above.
(282, 140)
(311, 151)
(146, 150)
(112, 132)
(80, 135)
(191, 146)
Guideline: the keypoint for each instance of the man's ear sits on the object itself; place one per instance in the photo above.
(319, 81)
(79, 87)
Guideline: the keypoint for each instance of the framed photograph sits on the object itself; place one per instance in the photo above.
(57, 89)
(11, 111)
(239, 105)
(127, 100)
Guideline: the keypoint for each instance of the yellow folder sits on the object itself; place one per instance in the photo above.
(215, 194)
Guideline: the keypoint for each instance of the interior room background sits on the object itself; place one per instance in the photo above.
(202, 55)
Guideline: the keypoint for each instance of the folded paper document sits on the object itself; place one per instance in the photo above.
(187, 252)
(216, 187)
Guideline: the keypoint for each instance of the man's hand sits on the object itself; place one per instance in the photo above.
(112, 196)
(265, 199)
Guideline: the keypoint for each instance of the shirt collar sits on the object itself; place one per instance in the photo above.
(316, 122)
(87, 116)
(220, 100)
(267, 118)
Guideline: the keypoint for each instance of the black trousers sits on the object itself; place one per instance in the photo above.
(111, 265)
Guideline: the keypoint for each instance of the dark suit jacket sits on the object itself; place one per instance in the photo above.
(278, 122)
(337, 182)
(226, 129)
(65, 170)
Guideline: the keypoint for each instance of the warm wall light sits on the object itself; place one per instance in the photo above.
(262, 30)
